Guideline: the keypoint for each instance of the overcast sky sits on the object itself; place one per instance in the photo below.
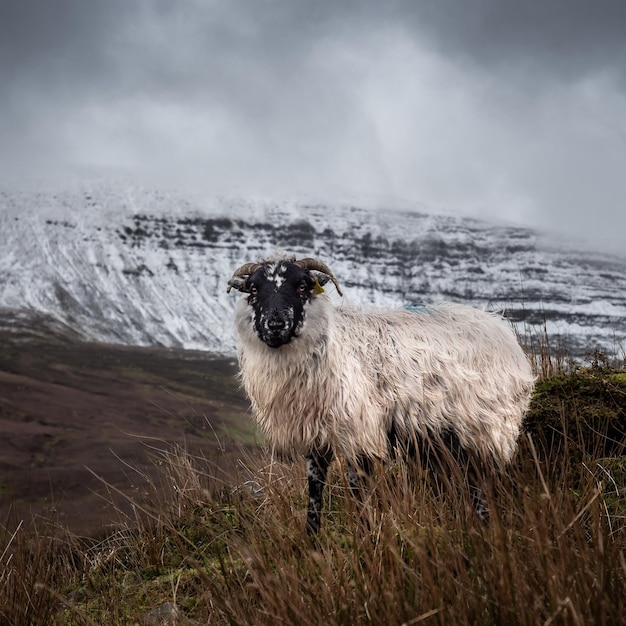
(492, 108)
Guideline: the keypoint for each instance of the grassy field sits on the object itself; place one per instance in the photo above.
(205, 550)
(82, 420)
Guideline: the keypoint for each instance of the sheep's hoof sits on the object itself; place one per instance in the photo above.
(480, 506)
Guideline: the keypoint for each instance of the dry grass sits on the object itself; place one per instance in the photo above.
(234, 551)
(553, 553)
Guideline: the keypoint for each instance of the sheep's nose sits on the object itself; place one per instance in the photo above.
(275, 323)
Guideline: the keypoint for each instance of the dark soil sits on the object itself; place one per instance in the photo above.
(81, 421)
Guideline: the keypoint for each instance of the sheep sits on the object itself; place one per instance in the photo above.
(330, 381)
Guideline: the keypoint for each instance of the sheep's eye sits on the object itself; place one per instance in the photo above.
(253, 290)
(302, 288)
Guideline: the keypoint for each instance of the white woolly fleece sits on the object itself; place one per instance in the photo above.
(351, 374)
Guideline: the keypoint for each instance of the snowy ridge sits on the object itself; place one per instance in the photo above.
(121, 264)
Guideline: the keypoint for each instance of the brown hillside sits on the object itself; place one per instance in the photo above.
(69, 410)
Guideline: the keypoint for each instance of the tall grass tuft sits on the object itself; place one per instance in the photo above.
(35, 562)
(209, 548)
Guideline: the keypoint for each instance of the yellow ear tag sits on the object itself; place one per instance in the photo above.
(317, 288)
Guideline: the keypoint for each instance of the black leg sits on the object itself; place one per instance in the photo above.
(476, 480)
(358, 473)
(316, 471)
(479, 503)
(451, 462)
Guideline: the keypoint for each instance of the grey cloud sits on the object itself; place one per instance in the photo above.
(565, 39)
(65, 40)
(515, 109)
(154, 39)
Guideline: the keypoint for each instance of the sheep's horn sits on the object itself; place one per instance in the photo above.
(316, 264)
(244, 270)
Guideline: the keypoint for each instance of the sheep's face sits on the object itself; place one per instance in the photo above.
(279, 294)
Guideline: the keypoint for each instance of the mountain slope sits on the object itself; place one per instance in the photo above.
(121, 264)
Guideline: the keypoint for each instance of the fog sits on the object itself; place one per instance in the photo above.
(507, 110)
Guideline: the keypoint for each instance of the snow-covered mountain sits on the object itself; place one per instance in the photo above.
(122, 264)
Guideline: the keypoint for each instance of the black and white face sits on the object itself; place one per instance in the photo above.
(279, 294)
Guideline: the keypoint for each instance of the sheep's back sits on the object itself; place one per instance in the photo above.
(443, 367)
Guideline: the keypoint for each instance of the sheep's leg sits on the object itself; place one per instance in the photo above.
(475, 478)
(358, 475)
(449, 458)
(316, 469)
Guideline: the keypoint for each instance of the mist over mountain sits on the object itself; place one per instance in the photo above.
(116, 263)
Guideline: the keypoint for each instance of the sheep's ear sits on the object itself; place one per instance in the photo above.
(317, 270)
(317, 288)
(320, 278)
(238, 283)
(240, 277)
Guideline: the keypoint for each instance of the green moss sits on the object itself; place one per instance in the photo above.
(584, 412)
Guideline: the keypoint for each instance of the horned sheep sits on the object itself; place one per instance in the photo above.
(330, 381)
